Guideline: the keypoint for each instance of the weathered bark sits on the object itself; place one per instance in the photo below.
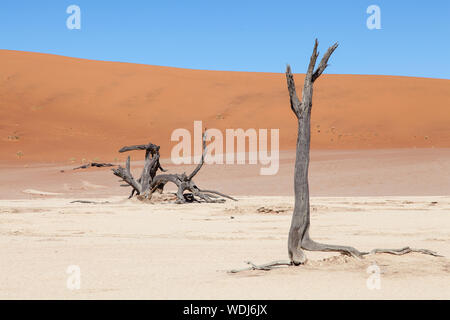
(142, 186)
(125, 174)
(152, 148)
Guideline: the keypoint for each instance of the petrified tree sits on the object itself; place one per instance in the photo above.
(149, 182)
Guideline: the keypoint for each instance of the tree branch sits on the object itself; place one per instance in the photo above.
(296, 105)
(197, 169)
(126, 176)
(312, 62)
(324, 62)
(218, 193)
(265, 267)
(153, 148)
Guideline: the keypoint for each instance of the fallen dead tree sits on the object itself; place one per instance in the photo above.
(149, 182)
(95, 164)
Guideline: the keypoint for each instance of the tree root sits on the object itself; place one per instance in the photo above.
(218, 193)
(311, 245)
(342, 249)
(89, 202)
(265, 267)
(403, 251)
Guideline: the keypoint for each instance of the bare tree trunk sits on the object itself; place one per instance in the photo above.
(299, 238)
(299, 232)
(142, 185)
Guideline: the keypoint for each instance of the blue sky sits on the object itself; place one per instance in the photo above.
(243, 35)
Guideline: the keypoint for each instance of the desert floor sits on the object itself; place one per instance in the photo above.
(129, 250)
(126, 249)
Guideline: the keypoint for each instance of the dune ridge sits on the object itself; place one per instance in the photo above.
(60, 109)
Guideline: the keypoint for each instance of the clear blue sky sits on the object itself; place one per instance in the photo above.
(241, 35)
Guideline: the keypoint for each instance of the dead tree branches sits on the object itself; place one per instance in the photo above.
(141, 186)
(149, 182)
(185, 183)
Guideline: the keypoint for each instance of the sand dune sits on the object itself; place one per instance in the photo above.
(55, 108)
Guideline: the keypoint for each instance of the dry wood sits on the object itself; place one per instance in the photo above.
(141, 186)
(89, 202)
(402, 251)
(95, 164)
(265, 267)
(149, 182)
(185, 183)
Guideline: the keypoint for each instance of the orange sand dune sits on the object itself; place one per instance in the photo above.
(55, 108)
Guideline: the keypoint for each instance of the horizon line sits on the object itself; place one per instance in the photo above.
(211, 70)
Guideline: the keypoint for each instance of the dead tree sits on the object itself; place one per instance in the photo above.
(299, 238)
(141, 186)
(149, 182)
(185, 183)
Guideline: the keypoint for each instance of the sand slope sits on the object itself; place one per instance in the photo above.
(55, 108)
